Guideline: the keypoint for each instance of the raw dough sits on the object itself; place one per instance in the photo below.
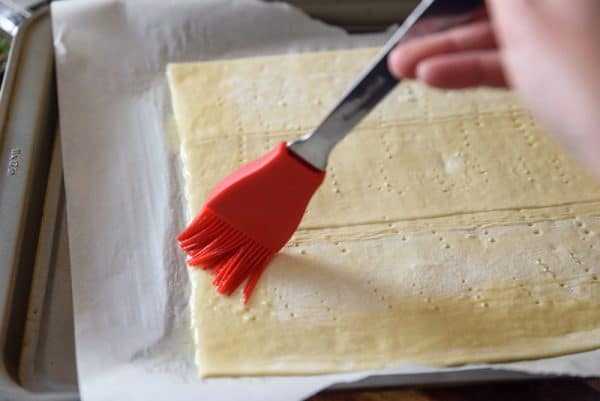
(450, 228)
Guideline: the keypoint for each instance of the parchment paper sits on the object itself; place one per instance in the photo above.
(124, 195)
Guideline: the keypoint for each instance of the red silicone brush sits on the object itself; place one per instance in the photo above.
(251, 214)
(248, 217)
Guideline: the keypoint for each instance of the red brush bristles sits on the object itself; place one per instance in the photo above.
(248, 218)
(230, 255)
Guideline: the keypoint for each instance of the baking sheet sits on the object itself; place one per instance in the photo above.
(124, 190)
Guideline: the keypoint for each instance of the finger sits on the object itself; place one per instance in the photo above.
(463, 70)
(405, 57)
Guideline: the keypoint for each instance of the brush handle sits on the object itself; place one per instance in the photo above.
(371, 87)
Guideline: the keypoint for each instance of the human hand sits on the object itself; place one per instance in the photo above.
(547, 50)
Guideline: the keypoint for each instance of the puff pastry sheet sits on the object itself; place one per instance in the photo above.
(450, 228)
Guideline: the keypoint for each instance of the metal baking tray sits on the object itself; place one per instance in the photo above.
(357, 15)
(36, 315)
(36, 319)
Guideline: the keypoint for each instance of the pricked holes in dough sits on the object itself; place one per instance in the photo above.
(249, 318)
(340, 247)
(334, 181)
(386, 148)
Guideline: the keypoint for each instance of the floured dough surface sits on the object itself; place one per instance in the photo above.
(449, 229)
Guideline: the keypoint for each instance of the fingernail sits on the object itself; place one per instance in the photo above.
(420, 71)
(393, 63)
